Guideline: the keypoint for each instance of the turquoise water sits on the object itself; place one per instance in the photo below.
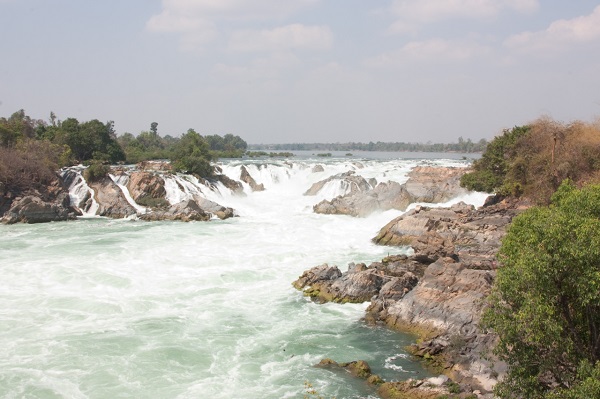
(99, 308)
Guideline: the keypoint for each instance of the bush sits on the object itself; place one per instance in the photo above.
(96, 171)
(545, 304)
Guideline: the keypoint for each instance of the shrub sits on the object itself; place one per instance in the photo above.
(96, 171)
(545, 304)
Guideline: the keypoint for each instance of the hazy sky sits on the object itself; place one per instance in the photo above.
(280, 71)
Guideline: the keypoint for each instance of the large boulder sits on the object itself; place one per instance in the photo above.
(353, 183)
(246, 178)
(111, 200)
(32, 209)
(433, 184)
(185, 211)
(142, 185)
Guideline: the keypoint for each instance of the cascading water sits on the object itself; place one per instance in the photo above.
(101, 308)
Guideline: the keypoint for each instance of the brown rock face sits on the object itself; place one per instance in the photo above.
(246, 178)
(111, 201)
(146, 185)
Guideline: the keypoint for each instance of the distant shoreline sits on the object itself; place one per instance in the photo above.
(462, 146)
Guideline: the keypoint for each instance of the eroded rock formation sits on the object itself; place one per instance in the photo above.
(438, 292)
(425, 184)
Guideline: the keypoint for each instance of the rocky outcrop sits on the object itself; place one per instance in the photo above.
(430, 388)
(394, 275)
(48, 204)
(154, 166)
(142, 185)
(233, 185)
(384, 196)
(439, 291)
(318, 168)
(246, 178)
(32, 209)
(348, 180)
(185, 211)
(111, 201)
(425, 184)
(432, 184)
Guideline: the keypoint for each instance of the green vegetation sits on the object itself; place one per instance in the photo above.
(96, 171)
(533, 160)
(31, 150)
(545, 304)
(489, 172)
(192, 155)
(325, 154)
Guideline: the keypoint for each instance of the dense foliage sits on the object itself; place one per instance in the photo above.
(545, 306)
(192, 155)
(533, 160)
(31, 150)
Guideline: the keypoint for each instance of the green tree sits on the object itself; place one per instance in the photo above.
(92, 140)
(489, 172)
(192, 155)
(545, 305)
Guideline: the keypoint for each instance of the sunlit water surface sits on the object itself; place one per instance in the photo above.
(100, 308)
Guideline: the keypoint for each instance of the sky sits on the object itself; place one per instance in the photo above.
(285, 71)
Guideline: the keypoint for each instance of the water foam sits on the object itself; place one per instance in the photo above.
(100, 308)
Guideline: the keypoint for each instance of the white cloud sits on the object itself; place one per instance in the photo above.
(197, 20)
(295, 36)
(434, 50)
(413, 13)
(559, 35)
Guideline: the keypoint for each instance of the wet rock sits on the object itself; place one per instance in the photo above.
(142, 185)
(318, 168)
(348, 179)
(245, 177)
(233, 185)
(185, 211)
(32, 209)
(111, 200)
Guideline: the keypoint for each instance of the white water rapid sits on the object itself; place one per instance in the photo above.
(100, 308)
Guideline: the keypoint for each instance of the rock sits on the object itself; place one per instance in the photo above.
(425, 184)
(318, 168)
(212, 207)
(347, 179)
(32, 209)
(316, 275)
(155, 166)
(245, 177)
(185, 211)
(435, 184)
(360, 283)
(358, 369)
(142, 184)
(233, 185)
(111, 200)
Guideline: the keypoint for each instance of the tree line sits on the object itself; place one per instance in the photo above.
(31, 150)
(464, 146)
